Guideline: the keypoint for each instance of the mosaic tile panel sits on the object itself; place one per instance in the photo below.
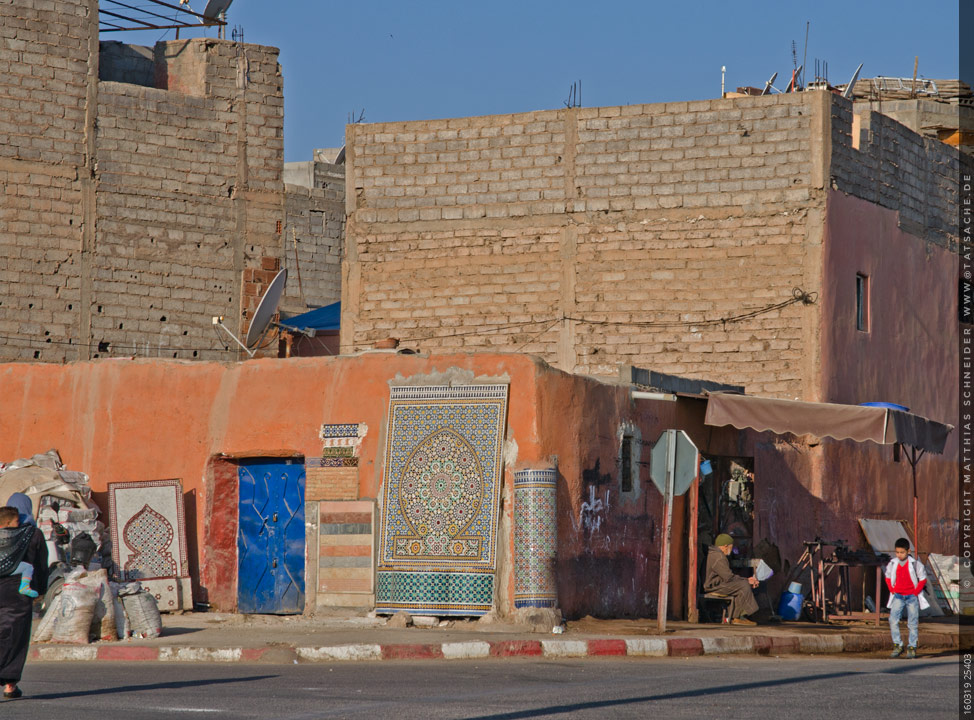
(341, 444)
(148, 531)
(535, 538)
(441, 496)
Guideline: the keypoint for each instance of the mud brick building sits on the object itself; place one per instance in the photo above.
(596, 237)
(142, 189)
(677, 237)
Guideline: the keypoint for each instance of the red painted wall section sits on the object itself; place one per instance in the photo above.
(908, 356)
(219, 544)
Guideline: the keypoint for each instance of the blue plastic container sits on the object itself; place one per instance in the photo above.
(790, 606)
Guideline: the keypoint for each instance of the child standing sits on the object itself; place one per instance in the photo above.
(905, 578)
(26, 571)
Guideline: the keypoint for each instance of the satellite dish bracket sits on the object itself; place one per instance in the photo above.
(262, 316)
(218, 322)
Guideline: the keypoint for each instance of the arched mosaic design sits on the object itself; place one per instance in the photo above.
(441, 497)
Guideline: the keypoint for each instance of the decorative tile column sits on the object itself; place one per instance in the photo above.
(535, 538)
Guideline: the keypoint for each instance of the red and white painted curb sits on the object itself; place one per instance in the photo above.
(554, 648)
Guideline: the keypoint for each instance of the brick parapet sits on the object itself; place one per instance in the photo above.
(312, 244)
(890, 165)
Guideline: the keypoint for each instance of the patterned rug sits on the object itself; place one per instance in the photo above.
(441, 496)
(149, 539)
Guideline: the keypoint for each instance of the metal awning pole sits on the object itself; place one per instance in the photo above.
(916, 503)
(914, 459)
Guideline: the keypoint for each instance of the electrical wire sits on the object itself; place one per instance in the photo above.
(798, 296)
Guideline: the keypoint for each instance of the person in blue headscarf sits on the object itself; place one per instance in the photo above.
(21, 541)
(24, 508)
(21, 503)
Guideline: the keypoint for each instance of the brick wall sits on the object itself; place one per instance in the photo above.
(890, 165)
(125, 63)
(133, 211)
(312, 243)
(44, 83)
(641, 225)
(623, 235)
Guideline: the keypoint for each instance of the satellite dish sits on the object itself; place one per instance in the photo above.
(266, 309)
(852, 83)
(216, 9)
(769, 85)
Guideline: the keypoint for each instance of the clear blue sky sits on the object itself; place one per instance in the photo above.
(432, 58)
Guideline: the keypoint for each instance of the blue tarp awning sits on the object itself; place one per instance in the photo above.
(320, 319)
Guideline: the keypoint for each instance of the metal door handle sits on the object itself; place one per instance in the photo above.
(275, 517)
(274, 564)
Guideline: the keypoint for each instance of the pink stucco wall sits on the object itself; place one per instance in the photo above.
(908, 356)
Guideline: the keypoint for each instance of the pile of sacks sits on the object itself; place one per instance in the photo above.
(44, 479)
(90, 608)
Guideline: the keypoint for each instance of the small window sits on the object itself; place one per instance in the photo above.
(626, 452)
(862, 302)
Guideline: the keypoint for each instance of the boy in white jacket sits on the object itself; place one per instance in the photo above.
(905, 578)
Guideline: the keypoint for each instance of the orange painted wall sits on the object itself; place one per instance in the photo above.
(126, 420)
(609, 556)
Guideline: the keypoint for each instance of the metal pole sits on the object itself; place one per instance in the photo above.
(916, 526)
(879, 592)
(692, 614)
(664, 573)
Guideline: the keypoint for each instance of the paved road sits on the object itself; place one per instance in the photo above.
(810, 688)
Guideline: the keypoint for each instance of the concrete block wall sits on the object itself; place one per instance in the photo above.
(893, 166)
(189, 197)
(125, 63)
(132, 211)
(44, 159)
(592, 237)
(313, 237)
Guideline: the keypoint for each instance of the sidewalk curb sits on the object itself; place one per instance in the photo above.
(678, 647)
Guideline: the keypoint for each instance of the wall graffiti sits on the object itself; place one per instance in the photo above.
(592, 512)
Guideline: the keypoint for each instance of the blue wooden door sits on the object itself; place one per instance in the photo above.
(270, 538)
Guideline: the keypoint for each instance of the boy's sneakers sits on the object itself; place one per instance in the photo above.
(911, 652)
(897, 651)
(25, 588)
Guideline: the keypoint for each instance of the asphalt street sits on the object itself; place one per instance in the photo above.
(816, 688)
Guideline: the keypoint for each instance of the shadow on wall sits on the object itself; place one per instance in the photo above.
(788, 512)
(608, 555)
(121, 62)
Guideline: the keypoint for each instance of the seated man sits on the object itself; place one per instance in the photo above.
(719, 579)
